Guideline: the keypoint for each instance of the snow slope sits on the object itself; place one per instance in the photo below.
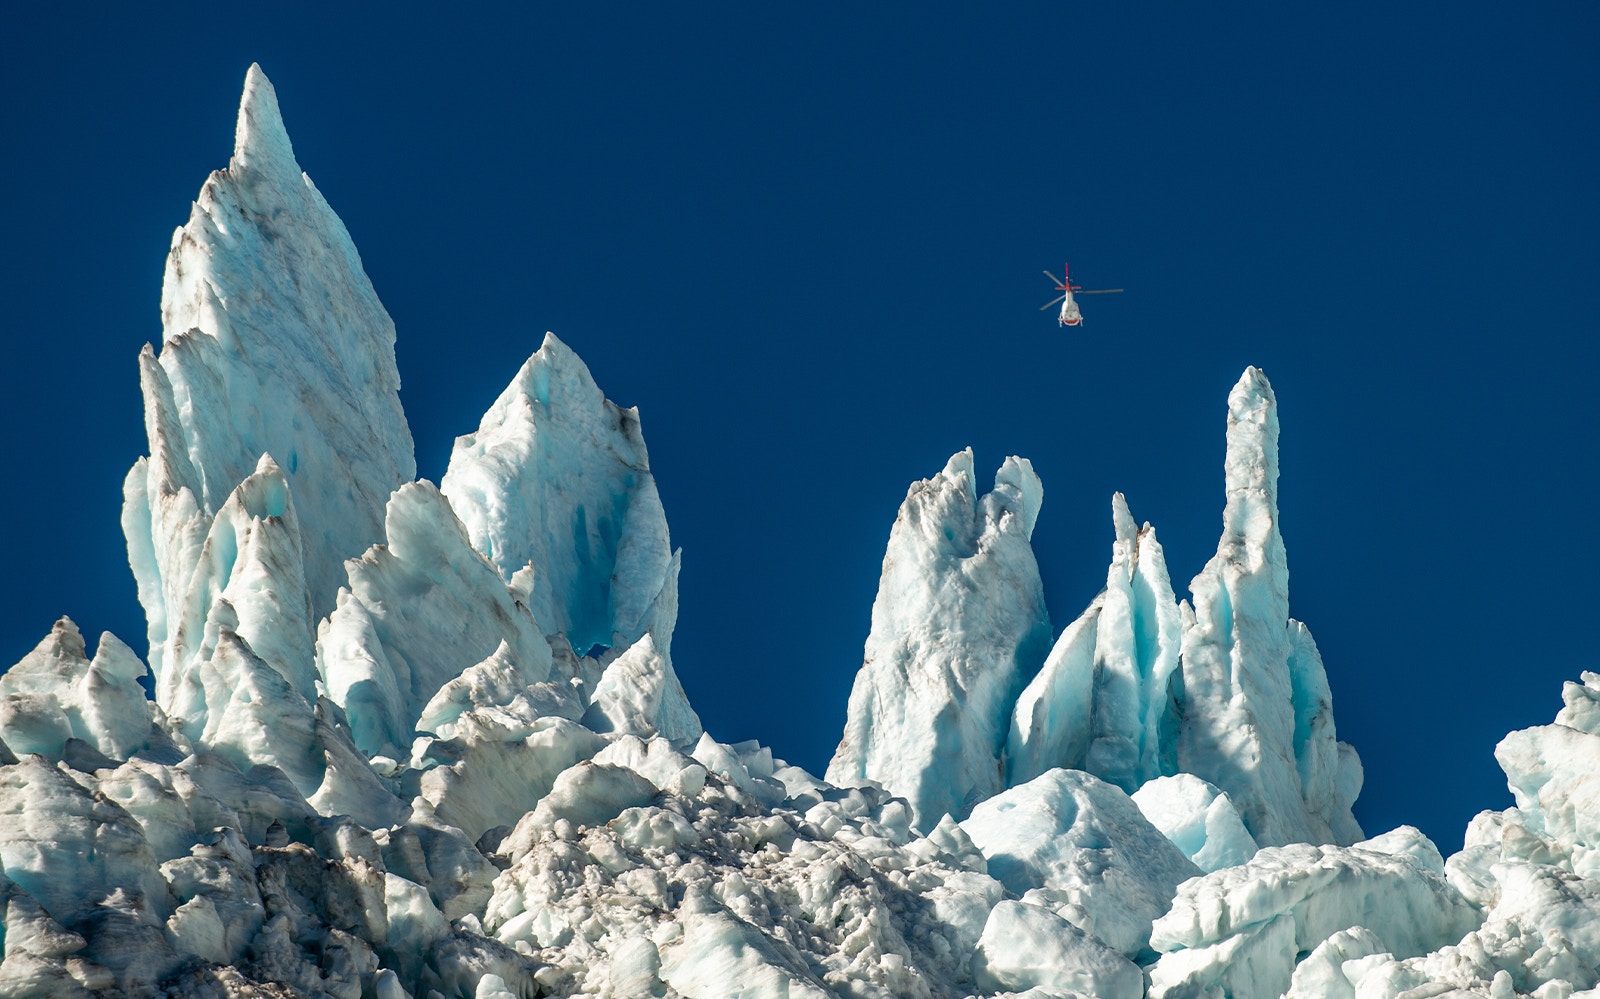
(411, 741)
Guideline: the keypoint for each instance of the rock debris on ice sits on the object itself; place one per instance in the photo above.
(411, 742)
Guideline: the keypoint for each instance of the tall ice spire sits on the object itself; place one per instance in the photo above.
(1257, 715)
(958, 626)
(273, 343)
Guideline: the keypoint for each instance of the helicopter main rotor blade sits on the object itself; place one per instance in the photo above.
(1051, 302)
(1054, 278)
(1100, 291)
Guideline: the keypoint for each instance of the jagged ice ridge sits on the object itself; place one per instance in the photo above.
(419, 741)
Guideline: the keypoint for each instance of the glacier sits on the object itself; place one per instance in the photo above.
(428, 741)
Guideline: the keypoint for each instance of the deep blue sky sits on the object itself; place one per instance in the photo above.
(808, 247)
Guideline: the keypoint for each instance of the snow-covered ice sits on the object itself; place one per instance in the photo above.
(958, 626)
(1199, 819)
(418, 742)
(56, 693)
(419, 609)
(1551, 771)
(1104, 699)
(1257, 713)
(1069, 842)
(1140, 686)
(557, 476)
(274, 343)
(1026, 946)
(1224, 928)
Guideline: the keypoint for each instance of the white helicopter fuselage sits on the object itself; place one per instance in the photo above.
(1070, 316)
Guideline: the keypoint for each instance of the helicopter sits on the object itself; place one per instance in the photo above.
(1070, 316)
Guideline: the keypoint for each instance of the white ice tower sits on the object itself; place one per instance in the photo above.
(276, 437)
(557, 477)
(1142, 686)
(1102, 702)
(958, 626)
(276, 367)
(544, 550)
(1257, 714)
(1138, 688)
